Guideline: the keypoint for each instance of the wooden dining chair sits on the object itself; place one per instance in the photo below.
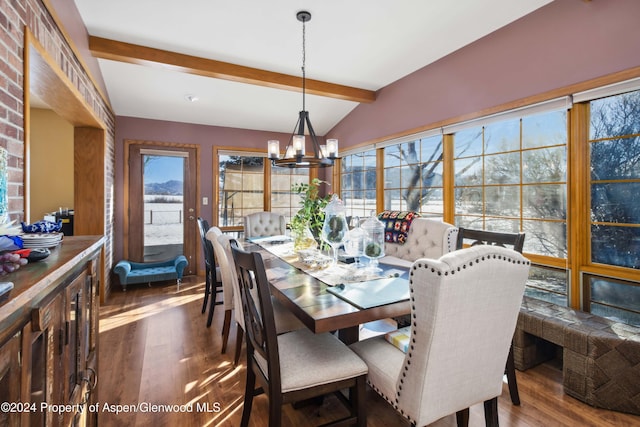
(212, 278)
(464, 309)
(503, 239)
(294, 366)
(203, 226)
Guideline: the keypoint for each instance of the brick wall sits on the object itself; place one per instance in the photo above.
(15, 15)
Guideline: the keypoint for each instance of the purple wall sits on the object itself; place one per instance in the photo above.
(563, 43)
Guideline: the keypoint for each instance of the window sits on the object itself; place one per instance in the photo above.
(616, 299)
(241, 188)
(242, 179)
(358, 182)
(614, 153)
(511, 175)
(283, 201)
(615, 180)
(413, 176)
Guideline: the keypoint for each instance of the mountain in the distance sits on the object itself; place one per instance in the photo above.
(169, 188)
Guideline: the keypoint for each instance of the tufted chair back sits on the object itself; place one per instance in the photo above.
(464, 308)
(427, 238)
(261, 224)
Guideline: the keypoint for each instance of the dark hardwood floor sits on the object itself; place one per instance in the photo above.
(155, 350)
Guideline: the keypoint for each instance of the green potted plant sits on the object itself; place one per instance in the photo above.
(311, 215)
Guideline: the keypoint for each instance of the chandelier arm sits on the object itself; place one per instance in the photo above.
(291, 137)
(314, 138)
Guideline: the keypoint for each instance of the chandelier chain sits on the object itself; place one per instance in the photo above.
(304, 58)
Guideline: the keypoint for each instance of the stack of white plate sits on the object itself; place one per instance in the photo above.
(41, 240)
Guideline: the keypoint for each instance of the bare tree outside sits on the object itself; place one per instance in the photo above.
(615, 174)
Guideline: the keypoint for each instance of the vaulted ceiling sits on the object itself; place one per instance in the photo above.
(242, 59)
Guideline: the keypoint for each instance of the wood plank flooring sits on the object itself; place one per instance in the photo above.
(156, 350)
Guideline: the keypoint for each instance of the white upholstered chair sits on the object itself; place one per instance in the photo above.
(464, 308)
(426, 238)
(294, 366)
(261, 224)
(285, 320)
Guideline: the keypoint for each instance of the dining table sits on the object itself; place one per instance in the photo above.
(332, 298)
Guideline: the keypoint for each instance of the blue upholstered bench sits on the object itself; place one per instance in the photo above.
(131, 272)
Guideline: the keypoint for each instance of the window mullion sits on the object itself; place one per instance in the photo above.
(579, 201)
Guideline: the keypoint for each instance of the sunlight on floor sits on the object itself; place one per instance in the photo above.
(139, 313)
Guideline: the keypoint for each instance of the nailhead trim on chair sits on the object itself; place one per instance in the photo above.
(414, 331)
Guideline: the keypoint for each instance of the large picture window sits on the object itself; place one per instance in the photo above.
(614, 143)
(512, 176)
(615, 180)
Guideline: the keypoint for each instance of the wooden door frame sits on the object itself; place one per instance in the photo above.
(191, 237)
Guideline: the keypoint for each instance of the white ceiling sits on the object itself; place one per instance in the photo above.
(361, 43)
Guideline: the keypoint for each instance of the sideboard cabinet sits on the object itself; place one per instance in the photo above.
(49, 338)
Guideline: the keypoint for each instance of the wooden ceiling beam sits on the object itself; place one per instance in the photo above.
(142, 55)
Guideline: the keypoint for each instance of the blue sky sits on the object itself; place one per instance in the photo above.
(164, 168)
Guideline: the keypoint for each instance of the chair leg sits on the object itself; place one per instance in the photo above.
(225, 330)
(462, 418)
(249, 391)
(239, 334)
(207, 289)
(491, 412)
(212, 304)
(511, 378)
(275, 410)
(357, 397)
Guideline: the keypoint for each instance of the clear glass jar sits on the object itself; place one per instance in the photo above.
(374, 241)
(335, 225)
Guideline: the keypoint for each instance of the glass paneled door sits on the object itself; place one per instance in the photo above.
(162, 204)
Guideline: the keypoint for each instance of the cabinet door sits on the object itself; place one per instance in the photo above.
(90, 339)
(74, 348)
(80, 354)
(10, 380)
(42, 373)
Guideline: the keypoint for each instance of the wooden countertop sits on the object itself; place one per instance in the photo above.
(35, 282)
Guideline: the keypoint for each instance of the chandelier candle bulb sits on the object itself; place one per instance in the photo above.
(273, 149)
(298, 145)
(332, 148)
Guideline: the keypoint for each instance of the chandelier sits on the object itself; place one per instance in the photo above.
(295, 155)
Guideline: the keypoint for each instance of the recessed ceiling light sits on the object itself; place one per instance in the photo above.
(191, 98)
